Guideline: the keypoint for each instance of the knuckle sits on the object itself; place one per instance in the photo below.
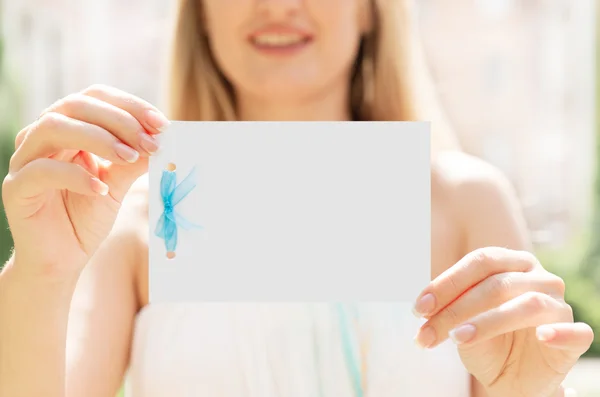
(530, 259)
(479, 255)
(71, 103)
(556, 284)
(536, 303)
(569, 312)
(484, 259)
(487, 256)
(100, 91)
(12, 161)
(21, 136)
(95, 89)
(7, 184)
(49, 122)
(18, 141)
(62, 105)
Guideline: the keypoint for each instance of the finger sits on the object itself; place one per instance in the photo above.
(469, 271)
(574, 337)
(528, 310)
(488, 294)
(20, 136)
(112, 118)
(55, 132)
(569, 392)
(120, 178)
(88, 161)
(564, 343)
(45, 174)
(149, 116)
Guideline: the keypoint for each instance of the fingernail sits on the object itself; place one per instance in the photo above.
(569, 392)
(424, 306)
(545, 333)
(426, 337)
(148, 143)
(462, 334)
(156, 120)
(126, 153)
(99, 187)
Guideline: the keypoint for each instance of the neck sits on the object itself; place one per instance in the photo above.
(330, 105)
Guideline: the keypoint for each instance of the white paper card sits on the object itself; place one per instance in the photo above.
(294, 211)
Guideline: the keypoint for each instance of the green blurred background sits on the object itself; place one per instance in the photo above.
(9, 124)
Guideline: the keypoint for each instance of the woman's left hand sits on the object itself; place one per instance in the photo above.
(507, 314)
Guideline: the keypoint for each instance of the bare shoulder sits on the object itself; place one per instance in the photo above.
(482, 198)
(468, 178)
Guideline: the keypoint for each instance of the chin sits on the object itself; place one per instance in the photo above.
(286, 91)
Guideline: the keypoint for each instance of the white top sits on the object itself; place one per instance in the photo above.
(287, 350)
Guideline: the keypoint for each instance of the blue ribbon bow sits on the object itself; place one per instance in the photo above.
(172, 194)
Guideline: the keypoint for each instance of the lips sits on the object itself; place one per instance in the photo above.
(279, 37)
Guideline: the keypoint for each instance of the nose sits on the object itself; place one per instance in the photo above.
(279, 9)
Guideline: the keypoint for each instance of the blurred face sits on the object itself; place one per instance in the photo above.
(284, 49)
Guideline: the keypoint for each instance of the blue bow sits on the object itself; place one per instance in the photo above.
(172, 194)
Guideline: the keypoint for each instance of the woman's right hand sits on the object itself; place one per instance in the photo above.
(61, 200)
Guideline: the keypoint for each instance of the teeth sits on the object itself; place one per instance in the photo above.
(277, 39)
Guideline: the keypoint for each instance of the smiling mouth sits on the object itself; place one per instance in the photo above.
(278, 42)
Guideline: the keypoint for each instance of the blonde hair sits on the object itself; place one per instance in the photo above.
(390, 82)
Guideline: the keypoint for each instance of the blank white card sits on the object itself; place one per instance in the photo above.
(290, 211)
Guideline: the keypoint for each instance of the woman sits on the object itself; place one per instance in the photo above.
(81, 250)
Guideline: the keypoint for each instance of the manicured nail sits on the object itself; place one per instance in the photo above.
(156, 120)
(569, 392)
(426, 337)
(424, 306)
(99, 187)
(462, 334)
(545, 333)
(148, 143)
(126, 153)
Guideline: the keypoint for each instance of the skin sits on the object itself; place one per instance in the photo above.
(80, 251)
(309, 86)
